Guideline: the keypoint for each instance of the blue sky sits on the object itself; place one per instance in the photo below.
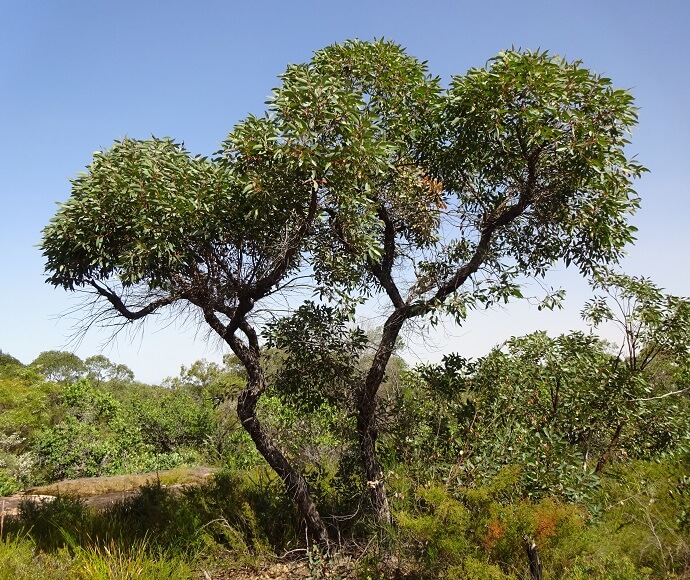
(75, 75)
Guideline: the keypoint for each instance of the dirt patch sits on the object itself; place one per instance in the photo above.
(293, 570)
(339, 567)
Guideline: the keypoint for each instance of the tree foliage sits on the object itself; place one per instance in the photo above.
(651, 322)
(59, 366)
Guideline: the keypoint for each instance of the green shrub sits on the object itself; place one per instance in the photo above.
(480, 532)
(242, 509)
(611, 567)
(474, 569)
(8, 485)
(641, 516)
(432, 531)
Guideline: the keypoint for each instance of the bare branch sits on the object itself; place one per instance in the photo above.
(678, 392)
(120, 306)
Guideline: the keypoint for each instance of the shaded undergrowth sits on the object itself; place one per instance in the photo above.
(637, 528)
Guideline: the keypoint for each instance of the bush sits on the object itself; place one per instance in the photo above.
(612, 567)
(474, 569)
(155, 517)
(8, 485)
(480, 532)
(241, 509)
(643, 507)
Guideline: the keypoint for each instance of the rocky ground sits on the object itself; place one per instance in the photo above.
(100, 492)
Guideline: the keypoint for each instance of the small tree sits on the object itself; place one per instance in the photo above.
(655, 331)
(149, 227)
(59, 366)
(439, 202)
(100, 369)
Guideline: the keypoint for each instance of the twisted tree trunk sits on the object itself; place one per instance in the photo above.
(249, 354)
(295, 484)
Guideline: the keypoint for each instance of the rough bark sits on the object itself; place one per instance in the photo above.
(366, 416)
(295, 484)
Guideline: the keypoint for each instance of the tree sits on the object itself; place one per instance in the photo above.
(149, 226)
(100, 369)
(655, 330)
(365, 177)
(59, 366)
(651, 322)
(217, 387)
(209, 380)
(516, 166)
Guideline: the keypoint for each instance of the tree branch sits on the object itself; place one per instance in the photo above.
(501, 215)
(293, 245)
(383, 269)
(119, 305)
(678, 392)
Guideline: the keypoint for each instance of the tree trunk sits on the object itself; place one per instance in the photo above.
(372, 468)
(535, 572)
(366, 416)
(606, 455)
(295, 484)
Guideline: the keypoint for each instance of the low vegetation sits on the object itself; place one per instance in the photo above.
(515, 445)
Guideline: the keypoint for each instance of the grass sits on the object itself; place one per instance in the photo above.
(230, 517)
(20, 560)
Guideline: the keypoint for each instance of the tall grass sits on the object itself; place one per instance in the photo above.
(20, 559)
(113, 562)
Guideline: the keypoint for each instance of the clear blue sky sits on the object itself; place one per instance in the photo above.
(77, 74)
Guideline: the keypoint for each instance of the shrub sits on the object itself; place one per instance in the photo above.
(8, 485)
